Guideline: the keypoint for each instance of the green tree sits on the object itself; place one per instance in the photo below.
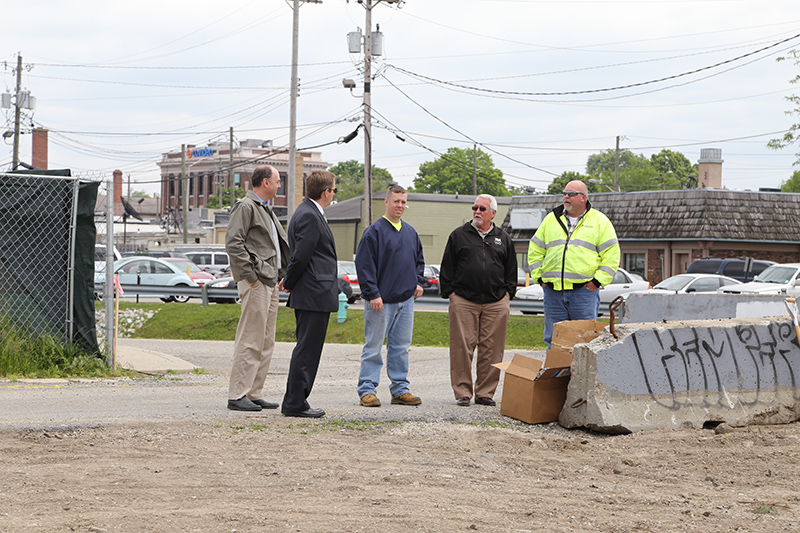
(664, 170)
(675, 169)
(792, 135)
(452, 173)
(350, 179)
(561, 181)
(214, 203)
(140, 194)
(792, 184)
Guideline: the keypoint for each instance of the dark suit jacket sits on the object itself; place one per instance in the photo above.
(311, 274)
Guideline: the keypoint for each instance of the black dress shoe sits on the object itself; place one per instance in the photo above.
(311, 412)
(265, 404)
(243, 404)
(485, 400)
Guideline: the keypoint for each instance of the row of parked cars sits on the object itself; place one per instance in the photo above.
(212, 268)
(703, 276)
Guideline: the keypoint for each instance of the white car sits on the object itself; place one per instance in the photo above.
(777, 279)
(692, 284)
(142, 270)
(623, 283)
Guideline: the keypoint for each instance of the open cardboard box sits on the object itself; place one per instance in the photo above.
(535, 393)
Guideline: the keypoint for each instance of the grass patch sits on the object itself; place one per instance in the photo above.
(45, 357)
(765, 509)
(218, 322)
(305, 428)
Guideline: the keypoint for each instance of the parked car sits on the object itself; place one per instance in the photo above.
(623, 283)
(691, 284)
(531, 292)
(213, 262)
(347, 273)
(777, 279)
(160, 254)
(197, 275)
(431, 283)
(228, 283)
(732, 268)
(142, 270)
(100, 257)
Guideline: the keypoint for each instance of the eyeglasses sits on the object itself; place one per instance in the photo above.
(334, 189)
(481, 207)
(571, 193)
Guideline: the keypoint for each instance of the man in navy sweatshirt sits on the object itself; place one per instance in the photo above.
(390, 267)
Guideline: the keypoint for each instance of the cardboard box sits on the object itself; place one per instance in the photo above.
(571, 332)
(534, 392)
(531, 393)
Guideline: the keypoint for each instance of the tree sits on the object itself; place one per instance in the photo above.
(452, 173)
(214, 203)
(140, 194)
(560, 182)
(664, 170)
(792, 184)
(793, 134)
(350, 179)
(675, 168)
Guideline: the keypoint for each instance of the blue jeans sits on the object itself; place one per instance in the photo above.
(576, 304)
(395, 323)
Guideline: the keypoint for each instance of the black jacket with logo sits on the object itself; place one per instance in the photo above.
(480, 269)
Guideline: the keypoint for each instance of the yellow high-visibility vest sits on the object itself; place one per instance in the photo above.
(564, 259)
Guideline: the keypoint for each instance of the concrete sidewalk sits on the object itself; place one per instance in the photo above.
(150, 361)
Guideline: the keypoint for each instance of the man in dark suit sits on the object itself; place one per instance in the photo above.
(313, 290)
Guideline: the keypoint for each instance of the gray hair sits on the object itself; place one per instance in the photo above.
(492, 201)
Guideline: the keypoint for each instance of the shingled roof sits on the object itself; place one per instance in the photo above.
(697, 214)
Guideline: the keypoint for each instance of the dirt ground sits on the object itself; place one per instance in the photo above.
(278, 474)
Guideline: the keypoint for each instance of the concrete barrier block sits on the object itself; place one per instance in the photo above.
(739, 371)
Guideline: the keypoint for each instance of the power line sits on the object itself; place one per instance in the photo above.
(594, 91)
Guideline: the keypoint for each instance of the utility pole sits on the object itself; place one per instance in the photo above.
(17, 113)
(184, 195)
(230, 173)
(475, 169)
(366, 214)
(616, 167)
(291, 177)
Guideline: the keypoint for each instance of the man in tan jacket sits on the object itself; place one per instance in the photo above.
(259, 252)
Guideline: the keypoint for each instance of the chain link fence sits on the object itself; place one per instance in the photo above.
(38, 221)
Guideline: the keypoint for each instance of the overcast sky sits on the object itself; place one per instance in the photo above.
(539, 85)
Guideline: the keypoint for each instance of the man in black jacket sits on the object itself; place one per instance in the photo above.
(311, 282)
(479, 277)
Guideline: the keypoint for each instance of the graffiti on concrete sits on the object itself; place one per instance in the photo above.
(668, 364)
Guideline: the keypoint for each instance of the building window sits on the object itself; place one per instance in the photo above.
(635, 263)
(200, 180)
(171, 179)
(282, 187)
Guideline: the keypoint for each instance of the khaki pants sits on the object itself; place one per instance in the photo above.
(484, 326)
(255, 340)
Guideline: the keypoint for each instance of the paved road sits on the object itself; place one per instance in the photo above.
(60, 404)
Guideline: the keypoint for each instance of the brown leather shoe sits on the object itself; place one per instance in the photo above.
(463, 401)
(406, 399)
(485, 400)
(370, 400)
